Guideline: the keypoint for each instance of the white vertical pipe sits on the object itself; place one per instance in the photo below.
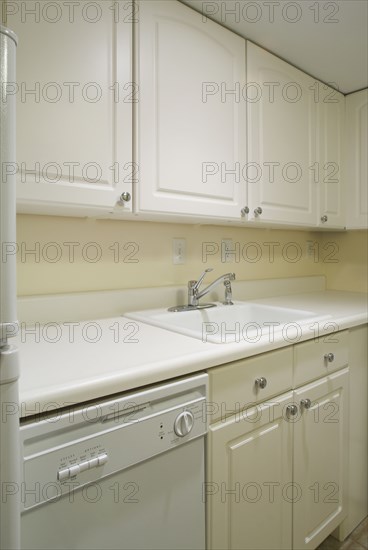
(8, 314)
(10, 473)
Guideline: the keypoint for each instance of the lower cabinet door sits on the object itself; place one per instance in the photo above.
(320, 465)
(248, 491)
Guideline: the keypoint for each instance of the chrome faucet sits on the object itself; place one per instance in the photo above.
(193, 288)
(194, 295)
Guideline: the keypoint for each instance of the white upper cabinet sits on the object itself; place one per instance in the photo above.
(75, 94)
(356, 148)
(282, 132)
(191, 128)
(328, 172)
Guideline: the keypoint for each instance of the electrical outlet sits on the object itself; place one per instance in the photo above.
(227, 251)
(179, 251)
(311, 247)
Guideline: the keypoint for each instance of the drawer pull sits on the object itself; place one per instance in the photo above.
(261, 382)
(306, 403)
(329, 357)
(292, 410)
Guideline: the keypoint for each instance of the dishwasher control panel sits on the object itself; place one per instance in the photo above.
(63, 456)
(75, 469)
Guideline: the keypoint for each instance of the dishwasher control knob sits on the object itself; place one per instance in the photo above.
(184, 423)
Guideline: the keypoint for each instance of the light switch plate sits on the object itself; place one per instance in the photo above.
(179, 246)
(227, 251)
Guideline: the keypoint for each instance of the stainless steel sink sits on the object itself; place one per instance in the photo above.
(243, 321)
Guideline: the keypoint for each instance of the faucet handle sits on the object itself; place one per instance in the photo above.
(198, 283)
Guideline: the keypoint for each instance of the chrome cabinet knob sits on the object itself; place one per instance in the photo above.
(329, 357)
(324, 218)
(125, 197)
(258, 211)
(244, 211)
(306, 403)
(184, 423)
(292, 410)
(261, 382)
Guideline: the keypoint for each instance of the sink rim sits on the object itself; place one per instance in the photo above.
(149, 317)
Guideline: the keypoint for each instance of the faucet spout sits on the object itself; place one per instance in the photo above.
(226, 279)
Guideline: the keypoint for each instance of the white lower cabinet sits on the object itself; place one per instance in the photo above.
(276, 470)
(320, 459)
(357, 494)
(249, 471)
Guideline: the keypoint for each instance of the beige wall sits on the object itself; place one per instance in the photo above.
(145, 254)
(350, 271)
(145, 257)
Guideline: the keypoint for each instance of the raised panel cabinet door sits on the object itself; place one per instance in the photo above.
(356, 148)
(320, 459)
(357, 494)
(248, 491)
(191, 127)
(281, 141)
(328, 172)
(74, 110)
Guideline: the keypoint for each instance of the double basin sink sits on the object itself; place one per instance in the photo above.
(242, 321)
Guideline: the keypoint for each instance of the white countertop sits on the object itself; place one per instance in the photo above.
(64, 364)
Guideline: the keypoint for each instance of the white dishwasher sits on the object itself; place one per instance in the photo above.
(124, 473)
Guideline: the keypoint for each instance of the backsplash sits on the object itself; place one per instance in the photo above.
(350, 272)
(58, 255)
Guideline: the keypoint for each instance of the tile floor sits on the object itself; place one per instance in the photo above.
(358, 540)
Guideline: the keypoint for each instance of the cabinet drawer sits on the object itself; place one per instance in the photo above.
(317, 358)
(233, 386)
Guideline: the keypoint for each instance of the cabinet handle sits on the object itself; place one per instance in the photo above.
(292, 410)
(329, 357)
(261, 382)
(125, 197)
(244, 211)
(324, 218)
(258, 211)
(306, 403)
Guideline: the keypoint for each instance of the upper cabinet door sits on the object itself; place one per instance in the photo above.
(356, 159)
(191, 135)
(75, 94)
(328, 172)
(281, 141)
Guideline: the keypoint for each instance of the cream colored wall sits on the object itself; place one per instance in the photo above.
(146, 259)
(350, 272)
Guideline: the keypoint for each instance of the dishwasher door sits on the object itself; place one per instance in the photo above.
(125, 480)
